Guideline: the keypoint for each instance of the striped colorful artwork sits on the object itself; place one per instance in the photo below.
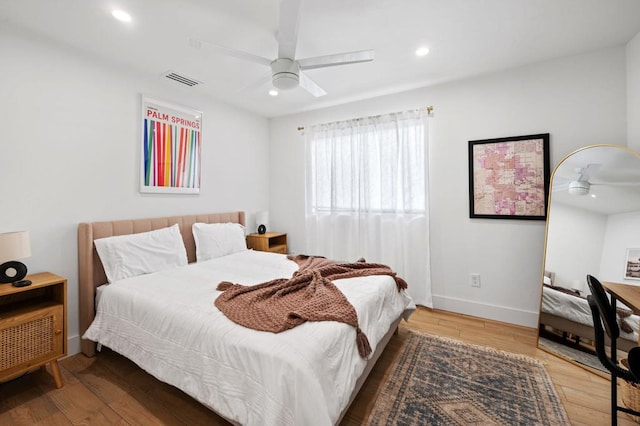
(170, 149)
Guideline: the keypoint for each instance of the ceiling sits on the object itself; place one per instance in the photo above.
(465, 38)
(615, 186)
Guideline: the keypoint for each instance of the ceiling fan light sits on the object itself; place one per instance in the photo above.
(285, 80)
(422, 51)
(121, 15)
(579, 187)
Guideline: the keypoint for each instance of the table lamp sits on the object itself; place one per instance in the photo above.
(262, 222)
(14, 245)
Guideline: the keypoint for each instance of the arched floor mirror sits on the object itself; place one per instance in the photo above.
(593, 227)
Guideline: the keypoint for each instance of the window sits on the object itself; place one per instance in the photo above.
(367, 182)
(369, 165)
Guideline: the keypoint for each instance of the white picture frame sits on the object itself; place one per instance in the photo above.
(170, 147)
(632, 264)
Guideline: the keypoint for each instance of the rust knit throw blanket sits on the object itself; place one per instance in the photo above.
(309, 295)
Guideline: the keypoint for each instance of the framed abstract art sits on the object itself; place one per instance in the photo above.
(509, 177)
(170, 148)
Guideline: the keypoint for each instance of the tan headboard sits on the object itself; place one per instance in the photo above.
(550, 275)
(90, 271)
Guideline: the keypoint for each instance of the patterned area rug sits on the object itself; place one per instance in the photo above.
(575, 355)
(440, 381)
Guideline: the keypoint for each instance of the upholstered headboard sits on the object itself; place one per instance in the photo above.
(551, 276)
(90, 271)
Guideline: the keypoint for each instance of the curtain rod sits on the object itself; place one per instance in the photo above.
(429, 110)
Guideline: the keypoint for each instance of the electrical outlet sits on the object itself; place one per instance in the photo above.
(475, 280)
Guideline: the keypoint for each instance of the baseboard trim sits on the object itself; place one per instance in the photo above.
(73, 345)
(488, 311)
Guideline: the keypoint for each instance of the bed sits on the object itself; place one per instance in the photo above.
(166, 323)
(569, 315)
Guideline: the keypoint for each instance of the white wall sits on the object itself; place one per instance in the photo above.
(621, 233)
(633, 93)
(579, 100)
(574, 245)
(69, 151)
(581, 243)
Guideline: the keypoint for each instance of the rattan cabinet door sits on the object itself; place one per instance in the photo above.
(30, 338)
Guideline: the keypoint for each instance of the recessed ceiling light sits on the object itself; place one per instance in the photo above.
(422, 51)
(121, 15)
(273, 92)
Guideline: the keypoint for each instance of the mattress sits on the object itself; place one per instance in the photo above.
(577, 309)
(166, 322)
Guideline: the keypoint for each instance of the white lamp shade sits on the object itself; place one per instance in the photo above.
(262, 218)
(14, 245)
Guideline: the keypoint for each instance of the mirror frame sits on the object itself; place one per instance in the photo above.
(546, 237)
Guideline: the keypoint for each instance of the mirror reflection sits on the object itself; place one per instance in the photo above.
(593, 227)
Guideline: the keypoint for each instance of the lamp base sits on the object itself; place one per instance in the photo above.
(19, 268)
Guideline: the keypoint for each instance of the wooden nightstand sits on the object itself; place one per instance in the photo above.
(275, 242)
(33, 326)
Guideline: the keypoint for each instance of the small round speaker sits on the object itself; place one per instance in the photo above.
(19, 269)
(262, 229)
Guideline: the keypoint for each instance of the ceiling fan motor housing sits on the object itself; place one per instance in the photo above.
(579, 187)
(285, 73)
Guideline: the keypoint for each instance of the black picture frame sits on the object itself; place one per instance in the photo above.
(509, 177)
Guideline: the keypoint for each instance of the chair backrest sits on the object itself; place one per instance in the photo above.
(609, 363)
(607, 313)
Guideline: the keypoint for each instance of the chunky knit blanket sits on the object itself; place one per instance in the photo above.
(309, 295)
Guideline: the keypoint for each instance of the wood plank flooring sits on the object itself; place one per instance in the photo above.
(109, 389)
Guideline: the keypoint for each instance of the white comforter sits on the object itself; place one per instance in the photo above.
(166, 322)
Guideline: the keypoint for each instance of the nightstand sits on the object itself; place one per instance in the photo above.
(274, 242)
(33, 326)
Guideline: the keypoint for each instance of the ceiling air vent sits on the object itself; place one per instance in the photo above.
(181, 79)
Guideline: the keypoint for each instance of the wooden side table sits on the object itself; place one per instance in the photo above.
(274, 242)
(33, 326)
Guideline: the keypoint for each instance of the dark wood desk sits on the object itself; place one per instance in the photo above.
(626, 293)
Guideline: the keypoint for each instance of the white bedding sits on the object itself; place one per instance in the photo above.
(577, 310)
(166, 322)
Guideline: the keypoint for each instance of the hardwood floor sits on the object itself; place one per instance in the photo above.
(109, 389)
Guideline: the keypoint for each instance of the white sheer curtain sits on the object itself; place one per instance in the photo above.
(367, 194)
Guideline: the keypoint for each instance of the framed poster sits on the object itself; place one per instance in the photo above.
(509, 177)
(632, 264)
(170, 147)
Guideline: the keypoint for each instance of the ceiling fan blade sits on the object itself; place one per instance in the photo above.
(589, 171)
(288, 28)
(310, 86)
(198, 44)
(615, 183)
(337, 59)
(561, 187)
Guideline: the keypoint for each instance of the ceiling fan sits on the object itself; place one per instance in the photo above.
(286, 70)
(582, 185)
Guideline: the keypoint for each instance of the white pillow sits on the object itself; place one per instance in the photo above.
(131, 255)
(218, 239)
(546, 280)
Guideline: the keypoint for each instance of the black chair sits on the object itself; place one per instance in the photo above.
(604, 312)
(634, 362)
